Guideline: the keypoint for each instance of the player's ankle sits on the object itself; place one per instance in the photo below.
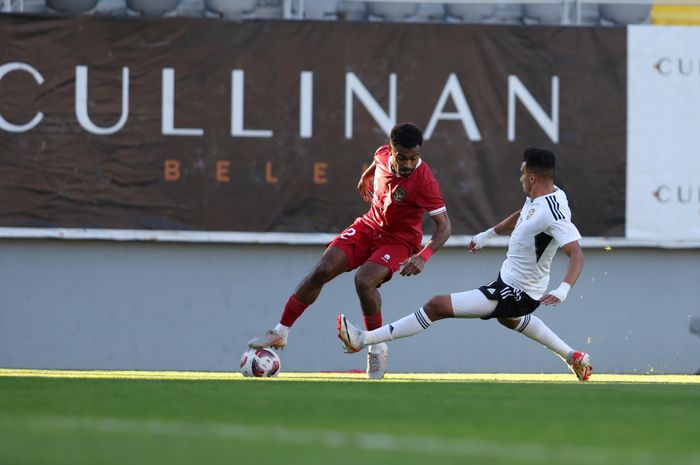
(570, 357)
(281, 329)
(361, 337)
(369, 338)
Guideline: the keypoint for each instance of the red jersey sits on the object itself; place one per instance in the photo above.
(398, 203)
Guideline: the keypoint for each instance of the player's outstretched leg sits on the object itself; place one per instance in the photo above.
(354, 339)
(580, 365)
(535, 329)
(332, 263)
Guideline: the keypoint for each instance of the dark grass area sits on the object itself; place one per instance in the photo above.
(80, 421)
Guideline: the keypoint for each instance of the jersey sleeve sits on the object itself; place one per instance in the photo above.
(561, 228)
(431, 198)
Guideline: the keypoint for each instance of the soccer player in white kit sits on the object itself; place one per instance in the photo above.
(537, 230)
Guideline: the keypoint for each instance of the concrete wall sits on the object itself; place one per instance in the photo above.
(158, 306)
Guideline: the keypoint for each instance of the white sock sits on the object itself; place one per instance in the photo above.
(535, 329)
(407, 326)
(281, 329)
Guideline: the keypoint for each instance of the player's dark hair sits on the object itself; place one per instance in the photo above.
(540, 161)
(407, 135)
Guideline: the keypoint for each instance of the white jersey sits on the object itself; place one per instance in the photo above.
(544, 225)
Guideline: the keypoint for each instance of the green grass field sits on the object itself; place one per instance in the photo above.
(345, 420)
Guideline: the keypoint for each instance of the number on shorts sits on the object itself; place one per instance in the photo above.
(347, 233)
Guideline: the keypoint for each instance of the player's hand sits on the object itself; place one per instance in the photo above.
(480, 240)
(412, 265)
(549, 299)
(365, 187)
(556, 296)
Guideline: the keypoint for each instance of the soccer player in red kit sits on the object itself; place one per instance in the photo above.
(400, 188)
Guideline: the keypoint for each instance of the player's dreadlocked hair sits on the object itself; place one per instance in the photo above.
(407, 135)
(540, 161)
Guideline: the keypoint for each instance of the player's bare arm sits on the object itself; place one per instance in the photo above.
(415, 264)
(504, 227)
(573, 271)
(508, 224)
(366, 183)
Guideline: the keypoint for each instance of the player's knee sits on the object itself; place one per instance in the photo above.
(322, 273)
(509, 323)
(364, 282)
(438, 307)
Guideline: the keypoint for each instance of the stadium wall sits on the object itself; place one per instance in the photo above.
(158, 306)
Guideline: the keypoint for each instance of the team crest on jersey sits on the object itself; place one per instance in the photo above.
(530, 213)
(399, 194)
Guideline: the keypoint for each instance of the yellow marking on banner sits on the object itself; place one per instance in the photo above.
(351, 377)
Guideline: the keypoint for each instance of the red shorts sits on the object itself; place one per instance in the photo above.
(361, 243)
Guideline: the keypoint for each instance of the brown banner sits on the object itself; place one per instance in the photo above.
(247, 127)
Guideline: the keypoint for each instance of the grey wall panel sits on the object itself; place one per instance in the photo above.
(110, 305)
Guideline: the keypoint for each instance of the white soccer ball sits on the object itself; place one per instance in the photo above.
(260, 363)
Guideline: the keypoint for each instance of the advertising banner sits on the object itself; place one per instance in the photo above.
(663, 178)
(201, 125)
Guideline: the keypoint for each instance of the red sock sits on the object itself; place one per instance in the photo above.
(373, 321)
(292, 310)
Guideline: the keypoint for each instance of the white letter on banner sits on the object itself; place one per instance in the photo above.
(168, 108)
(306, 104)
(16, 66)
(550, 125)
(237, 81)
(454, 90)
(81, 102)
(353, 86)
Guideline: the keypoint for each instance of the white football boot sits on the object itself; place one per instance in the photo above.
(581, 365)
(269, 338)
(349, 334)
(377, 360)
